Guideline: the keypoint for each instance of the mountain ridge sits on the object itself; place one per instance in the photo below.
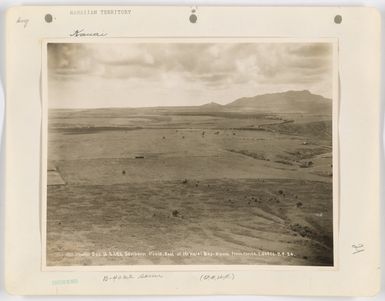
(299, 101)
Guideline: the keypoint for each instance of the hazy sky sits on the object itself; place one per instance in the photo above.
(173, 74)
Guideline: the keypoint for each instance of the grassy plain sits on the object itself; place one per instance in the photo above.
(254, 188)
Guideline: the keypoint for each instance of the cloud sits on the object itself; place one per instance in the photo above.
(206, 62)
(202, 66)
(312, 50)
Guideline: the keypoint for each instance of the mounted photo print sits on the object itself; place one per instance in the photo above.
(178, 150)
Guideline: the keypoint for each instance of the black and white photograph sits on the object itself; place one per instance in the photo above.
(189, 152)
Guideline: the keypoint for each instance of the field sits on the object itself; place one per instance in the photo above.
(189, 185)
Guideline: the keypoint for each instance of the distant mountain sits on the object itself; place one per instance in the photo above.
(211, 105)
(285, 102)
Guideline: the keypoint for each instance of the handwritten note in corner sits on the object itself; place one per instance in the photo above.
(24, 22)
(358, 248)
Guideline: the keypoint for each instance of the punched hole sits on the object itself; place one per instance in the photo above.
(338, 19)
(48, 18)
(193, 18)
